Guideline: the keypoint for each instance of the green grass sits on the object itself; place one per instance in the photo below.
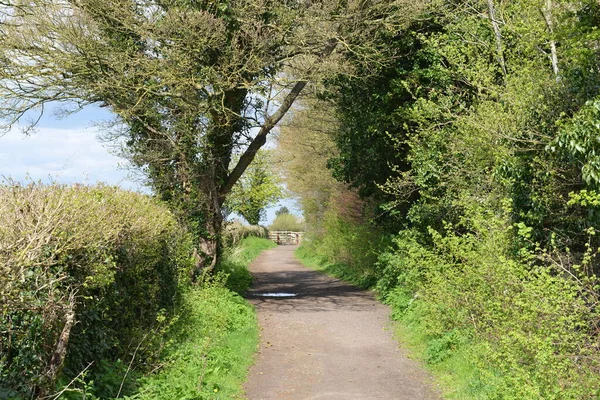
(449, 357)
(211, 346)
(357, 276)
(236, 260)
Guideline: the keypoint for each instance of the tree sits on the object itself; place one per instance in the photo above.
(256, 190)
(287, 222)
(282, 210)
(190, 81)
(305, 143)
(472, 108)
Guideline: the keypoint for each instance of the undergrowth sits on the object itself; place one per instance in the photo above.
(347, 251)
(449, 356)
(358, 277)
(236, 260)
(492, 326)
(207, 348)
(210, 348)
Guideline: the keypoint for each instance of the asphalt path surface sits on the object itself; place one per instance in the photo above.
(324, 339)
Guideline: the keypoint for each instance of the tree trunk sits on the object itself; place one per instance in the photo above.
(226, 122)
(498, 35)
(547, 14)
(210, 243)
(60, 351)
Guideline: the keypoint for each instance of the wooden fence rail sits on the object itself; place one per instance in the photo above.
(286, 237)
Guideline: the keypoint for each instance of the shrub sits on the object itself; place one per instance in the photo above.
(494, 322)
(287, 222)
(533, 325)
(87, 274)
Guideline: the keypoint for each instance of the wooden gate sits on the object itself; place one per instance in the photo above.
(286, 237)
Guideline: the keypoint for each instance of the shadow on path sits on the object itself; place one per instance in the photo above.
(313, 292)
(329, 341)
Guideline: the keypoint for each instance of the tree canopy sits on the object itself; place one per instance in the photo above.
(189, 81)
(256, 190)
(475, 154)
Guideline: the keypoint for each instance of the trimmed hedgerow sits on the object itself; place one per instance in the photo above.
(89, 276)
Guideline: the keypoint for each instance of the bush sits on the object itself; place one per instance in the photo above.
(287, 222)
(530, 328)
(87, 274)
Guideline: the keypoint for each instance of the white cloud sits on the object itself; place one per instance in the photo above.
(65, 151)
(64, 155)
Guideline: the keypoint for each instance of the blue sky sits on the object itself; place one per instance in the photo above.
(68, 150)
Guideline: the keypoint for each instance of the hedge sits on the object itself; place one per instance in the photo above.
(89, 276)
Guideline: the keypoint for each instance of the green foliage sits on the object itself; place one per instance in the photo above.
(256, 190)
(303, 148)
(532, 325)
(206, 348)
(479, 145)
(237, 258)
(307, 256)
(489, 327)
(347, 250)
(579, 138)
(209, 349)
(471, 137)
(403, 99)
(117, 260)
(287, 222)
(191, 83)
(349, 243)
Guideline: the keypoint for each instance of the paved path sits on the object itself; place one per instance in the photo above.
(329, 342)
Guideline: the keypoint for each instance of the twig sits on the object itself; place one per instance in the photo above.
(130, 363)
(57, 395)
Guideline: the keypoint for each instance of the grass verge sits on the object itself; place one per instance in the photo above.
(236, 260)
(211, 345)
(355, 276)
(448, 357)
